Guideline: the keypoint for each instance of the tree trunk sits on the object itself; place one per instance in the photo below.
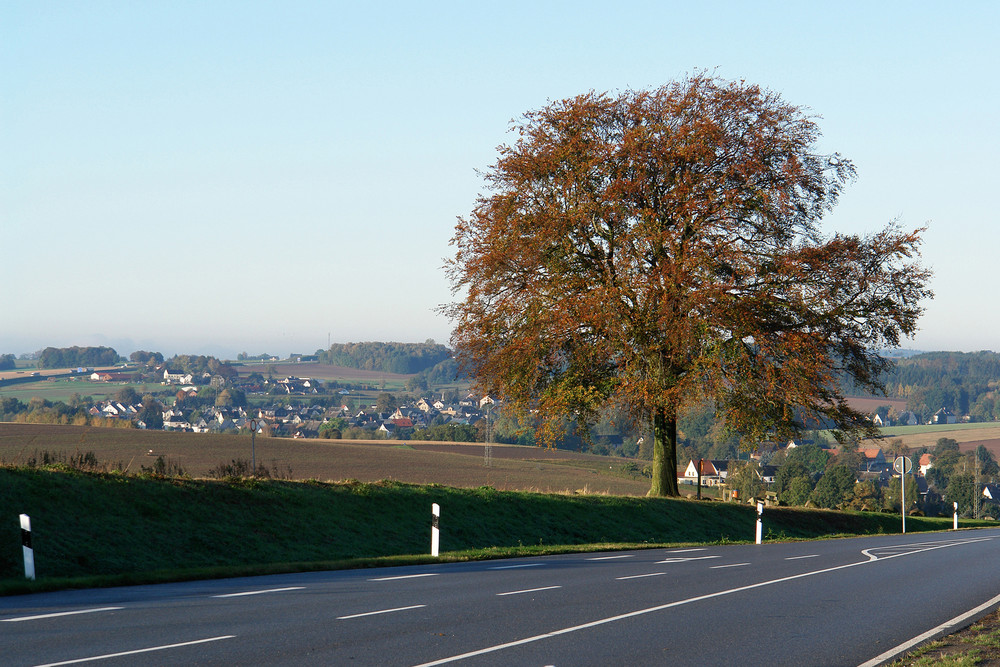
(664, 453)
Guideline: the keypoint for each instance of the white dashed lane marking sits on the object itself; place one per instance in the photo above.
(39, 617)
(380, 611)
(530, 590)
(405, 576)
(269, 590)
(640, 576)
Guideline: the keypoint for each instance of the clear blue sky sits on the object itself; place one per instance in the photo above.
(217, 177)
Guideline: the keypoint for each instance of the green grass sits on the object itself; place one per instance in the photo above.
(92, 528)
(64, 388)
(979, 644)
(935, 428)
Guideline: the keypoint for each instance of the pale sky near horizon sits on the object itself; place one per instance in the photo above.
(218, 177)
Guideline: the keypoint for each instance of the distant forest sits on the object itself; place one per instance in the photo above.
(967, 383)
(69, 357)
(403, 358)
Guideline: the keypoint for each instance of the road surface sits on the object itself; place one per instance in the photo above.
(833, 602)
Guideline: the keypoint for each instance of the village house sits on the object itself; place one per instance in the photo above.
(176, 422)
(713, 472)
(992, 492)
(944, 416)
(404, 412)
(768, 474)
(792, 444)
(872, 456)
(176, 377)
(294, 385)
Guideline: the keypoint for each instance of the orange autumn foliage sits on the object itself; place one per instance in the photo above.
(659, 248)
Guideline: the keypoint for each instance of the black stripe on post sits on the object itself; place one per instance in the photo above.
(435, 520)
(26, 538)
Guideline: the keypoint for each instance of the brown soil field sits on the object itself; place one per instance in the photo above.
(459, 465)
(872, 404)
(993, 445)
(967, 438)
(451, 464)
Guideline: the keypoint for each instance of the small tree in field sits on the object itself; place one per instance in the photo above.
(658, 249)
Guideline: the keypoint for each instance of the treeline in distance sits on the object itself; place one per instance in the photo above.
(401, 358)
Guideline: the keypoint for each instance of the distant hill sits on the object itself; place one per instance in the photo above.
(966, 383)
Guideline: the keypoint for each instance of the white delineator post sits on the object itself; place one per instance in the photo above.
(902, 465)
(29, 554)
(760, 523)
(956, 516)
(435, 529)
(902, 498)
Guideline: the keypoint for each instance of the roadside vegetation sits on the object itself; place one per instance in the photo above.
(977, 645)
(95, 525)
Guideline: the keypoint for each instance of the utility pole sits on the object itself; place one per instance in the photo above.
(977, 504)
(488, 445)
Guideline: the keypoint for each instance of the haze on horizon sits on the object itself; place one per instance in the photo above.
(213, 179)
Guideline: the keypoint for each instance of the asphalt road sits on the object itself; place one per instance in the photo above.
(834, 602)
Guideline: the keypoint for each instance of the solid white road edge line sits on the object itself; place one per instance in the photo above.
(269, 590)
(945, 628)
(612, 557)
(530, 590)
(515, 567)
(405, 576)
(382, 611)
(57, 614)
(137, 651)
(670, 605)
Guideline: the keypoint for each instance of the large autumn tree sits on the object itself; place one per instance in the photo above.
(659, 249)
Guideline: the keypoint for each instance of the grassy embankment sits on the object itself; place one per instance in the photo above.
(101, 529)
